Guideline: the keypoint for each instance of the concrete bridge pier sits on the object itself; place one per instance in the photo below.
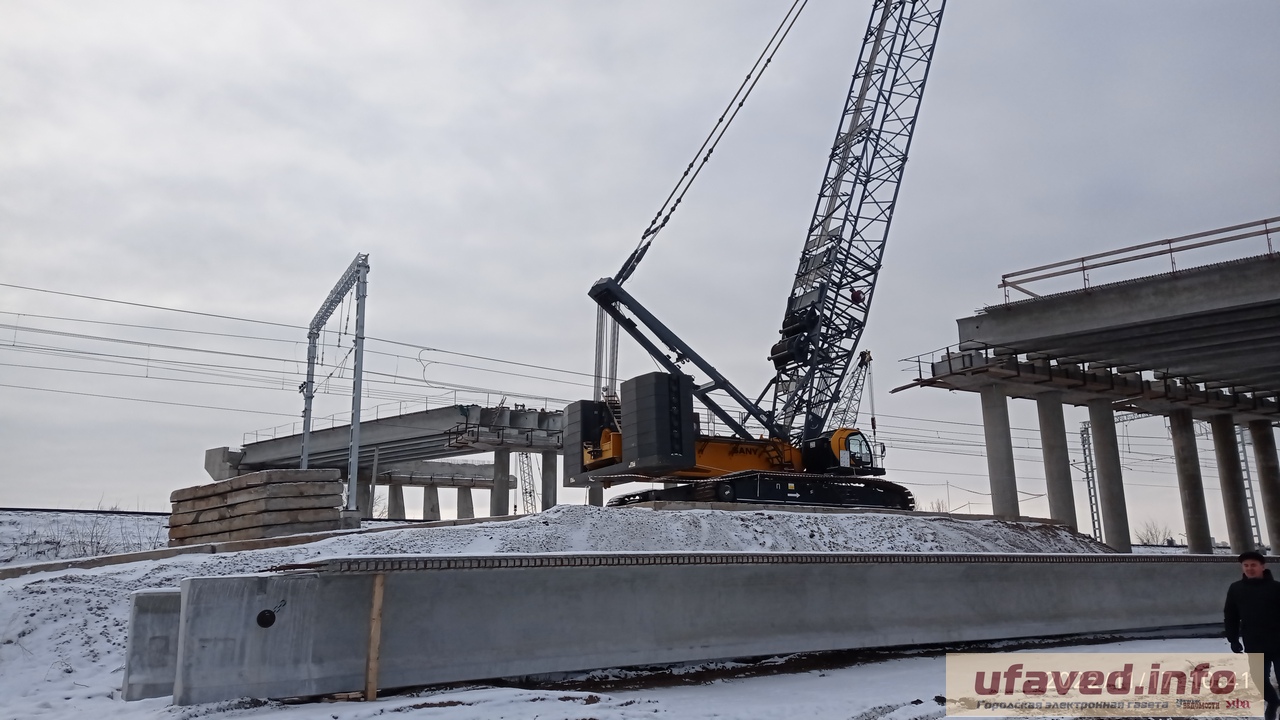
(1057, 463)
(500, 495)
(595, 494)
(995, 426)
(430, 503)
(550, 478)
(1106, 458)
(1231, 480)
(395, 502)
(1190, 483)
(364, 495)
(466, 508)
(1268, 464)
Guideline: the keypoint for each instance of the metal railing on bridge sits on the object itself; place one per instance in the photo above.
(1158, 248)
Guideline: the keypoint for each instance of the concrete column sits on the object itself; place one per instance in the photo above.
(1264, 455)
(500, 496)
(595, 494)
(395, 502)
(364, 495)
(1057, 463)
(550, 478)
(466, 508)
(1186, 458)
(1106, 459)
(1231, 480)
(995, 425)
(430, 503)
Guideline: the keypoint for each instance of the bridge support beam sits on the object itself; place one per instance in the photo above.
(466, 507)
(550, 478)
(1186, 458)
(1106, 457)
(1231, 480)
(595, 495)
(1264, 455)
(995, 426)
(1057, 463)
(430, 503)
(500, 495)
(364, 496)
(395, 502)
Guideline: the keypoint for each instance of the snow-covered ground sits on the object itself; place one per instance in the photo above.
(34, 536)
(62, 634)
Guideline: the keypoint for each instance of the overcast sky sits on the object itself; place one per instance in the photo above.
(495, 158)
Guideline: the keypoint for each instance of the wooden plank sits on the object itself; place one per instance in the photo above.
(261, 533)
(258, 492)
(375, 639)
(255, 507)
(262, 477)
(244, 522)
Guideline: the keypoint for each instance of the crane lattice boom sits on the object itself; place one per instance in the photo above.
(831, 296)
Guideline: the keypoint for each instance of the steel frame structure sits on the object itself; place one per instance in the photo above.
(842, 255)
(355, 276)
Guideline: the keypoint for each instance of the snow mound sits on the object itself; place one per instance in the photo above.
(62, 634)
(578, 528)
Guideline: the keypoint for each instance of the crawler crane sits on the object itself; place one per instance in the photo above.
(652, 433)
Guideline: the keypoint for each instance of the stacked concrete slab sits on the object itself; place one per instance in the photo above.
(263, 504)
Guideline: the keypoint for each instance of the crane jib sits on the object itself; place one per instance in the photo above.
(842, 254)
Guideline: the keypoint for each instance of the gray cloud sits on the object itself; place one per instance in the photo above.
(495, 158)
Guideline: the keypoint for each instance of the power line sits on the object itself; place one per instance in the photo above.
(145, 400)
(278, 324)
(152, 307)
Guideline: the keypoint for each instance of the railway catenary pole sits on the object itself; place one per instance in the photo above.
(355, 272)
(831, 294)
(353, 461)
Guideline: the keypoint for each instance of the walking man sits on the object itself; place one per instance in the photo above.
(1252, 615)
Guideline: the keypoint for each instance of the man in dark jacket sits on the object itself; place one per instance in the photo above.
(1252, 615)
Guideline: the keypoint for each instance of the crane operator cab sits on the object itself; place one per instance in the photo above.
(844, 451)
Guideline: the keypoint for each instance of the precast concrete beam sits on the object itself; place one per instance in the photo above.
(1264, 455)
(1106, 459)
(431, 503)
(1057, 462)
(1186, 458)
(1231, 480)
(465, 619)
(466, 506)
(500, 495)
(1000, 469)
(550, 478)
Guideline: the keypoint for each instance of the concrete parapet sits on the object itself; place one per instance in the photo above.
(150, 659)
(456, 619)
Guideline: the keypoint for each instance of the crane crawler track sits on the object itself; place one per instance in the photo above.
(779, 488)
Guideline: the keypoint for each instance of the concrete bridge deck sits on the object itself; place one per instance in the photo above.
(1196, 343)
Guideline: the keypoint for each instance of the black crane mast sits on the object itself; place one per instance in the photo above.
(826, 311)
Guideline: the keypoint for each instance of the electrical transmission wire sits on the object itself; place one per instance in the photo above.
(146, 400)
(674, 198)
